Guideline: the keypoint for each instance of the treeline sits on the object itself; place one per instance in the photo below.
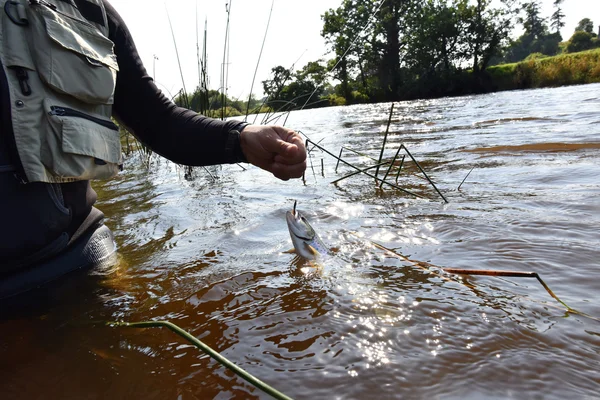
(394, 50)
(406, 49)
(216, 104)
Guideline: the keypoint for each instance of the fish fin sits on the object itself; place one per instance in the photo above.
(311, 249)
(290, 251)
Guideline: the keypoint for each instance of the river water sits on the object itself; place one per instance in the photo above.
(209, 254)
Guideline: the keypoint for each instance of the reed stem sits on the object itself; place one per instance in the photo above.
(392, 165)
(423, 172)
(359, 172)
(463, 181)
(358, 169)
(400, 167)
(387, 130)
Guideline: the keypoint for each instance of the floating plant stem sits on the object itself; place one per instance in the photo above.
(460, 271)
(516, 274)
(206, 349)
(360, 154)
(310, 150)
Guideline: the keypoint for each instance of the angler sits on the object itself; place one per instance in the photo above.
(66, 68)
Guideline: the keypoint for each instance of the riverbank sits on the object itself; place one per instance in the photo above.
(562, 70)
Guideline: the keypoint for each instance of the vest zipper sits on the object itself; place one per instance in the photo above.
(69, 112)
(23, 78)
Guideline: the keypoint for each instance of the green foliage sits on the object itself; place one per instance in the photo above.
(280, 76)
(585, 25)
(536, 38)
(302, 89)
(534, 25)
(557, 20)
(580, 41)
(229, 111)
(535, 56)
(210, 103)
(359, 97)
(566, 69)
(335, 100)
(488, 31)
(412, 47)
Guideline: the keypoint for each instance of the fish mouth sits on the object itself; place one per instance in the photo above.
(296, 225)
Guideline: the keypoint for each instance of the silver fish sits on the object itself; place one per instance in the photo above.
(307, 242)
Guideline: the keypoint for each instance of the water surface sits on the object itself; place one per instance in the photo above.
(209, 255)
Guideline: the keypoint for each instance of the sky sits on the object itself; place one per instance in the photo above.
(293, 37)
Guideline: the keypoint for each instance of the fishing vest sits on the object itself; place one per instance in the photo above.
(61, 74)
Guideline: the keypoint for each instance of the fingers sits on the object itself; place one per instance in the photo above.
(276, 149)
(285, 172)
(291, 149)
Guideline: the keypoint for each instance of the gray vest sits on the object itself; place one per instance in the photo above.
(61, 72)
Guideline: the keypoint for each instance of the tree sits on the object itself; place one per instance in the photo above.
(580, 41)
(335, 32)
(585, 25)
(533, 23)
(557, 20)
(287, 90)
(343, 29)
(390, 22)
(536, 38)
(488, 29)
(435, 36)
(272, 87)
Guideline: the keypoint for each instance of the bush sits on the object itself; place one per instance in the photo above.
(359, 97)
(335, 100)
(535, 56)
(580, 41)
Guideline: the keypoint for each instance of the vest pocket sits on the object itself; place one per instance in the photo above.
(72, 56)
(81, 146)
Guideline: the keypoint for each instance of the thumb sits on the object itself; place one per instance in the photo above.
(284, 148)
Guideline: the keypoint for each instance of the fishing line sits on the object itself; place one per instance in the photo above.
(225, 64)
(206, 349)
(185, 97)
(259, 57)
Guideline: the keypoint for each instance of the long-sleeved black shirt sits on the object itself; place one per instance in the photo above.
(181, 135)
(176, 133)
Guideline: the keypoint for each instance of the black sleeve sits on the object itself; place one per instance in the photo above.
(176, 133)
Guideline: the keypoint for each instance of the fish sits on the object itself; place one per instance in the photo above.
(306, 241)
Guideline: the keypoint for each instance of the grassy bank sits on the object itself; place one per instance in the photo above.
(565, 69)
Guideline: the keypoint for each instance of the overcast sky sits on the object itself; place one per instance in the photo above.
(294, 35)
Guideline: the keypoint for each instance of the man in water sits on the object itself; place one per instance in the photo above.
(68, 66)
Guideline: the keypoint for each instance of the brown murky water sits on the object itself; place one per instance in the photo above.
(208, 255)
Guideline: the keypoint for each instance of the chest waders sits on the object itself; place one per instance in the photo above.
(57, 80)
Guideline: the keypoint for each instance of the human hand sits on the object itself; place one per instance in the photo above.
(275, 149)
